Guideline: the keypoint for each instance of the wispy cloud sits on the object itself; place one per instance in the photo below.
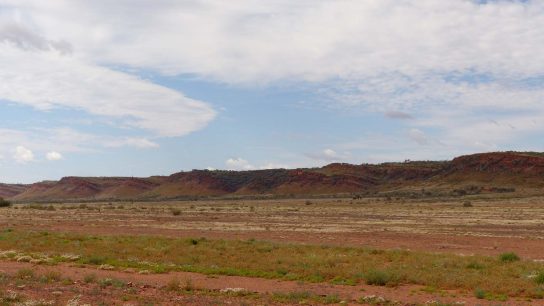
(398, 115)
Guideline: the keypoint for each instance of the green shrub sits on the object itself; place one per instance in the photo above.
(4, 203)
(539, 279)
(509, 257)
(95, 260)
(379, 278)
(89, 278)
(479, 293)
(475, 265)
(25, 273)
(295, 296)
(106, 282)
(332, 299)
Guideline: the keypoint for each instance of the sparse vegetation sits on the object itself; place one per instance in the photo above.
(89, 278)
(188, 286)
(509, 257)
(312, 263)
(50, 277)
(106, 282)
(173, 285)
(475, 265)
(25, 273)
(479, 293)
(495, 277)
(379, 278)
(539, 278)
(304, 297)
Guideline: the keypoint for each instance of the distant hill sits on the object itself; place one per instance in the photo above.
(10, 190)
(485, 172)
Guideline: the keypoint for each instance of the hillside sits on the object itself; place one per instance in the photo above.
(10, 190)
(485, 172)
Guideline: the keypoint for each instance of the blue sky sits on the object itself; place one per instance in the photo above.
(154, 87)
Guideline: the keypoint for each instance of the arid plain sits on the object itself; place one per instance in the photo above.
(435, 251)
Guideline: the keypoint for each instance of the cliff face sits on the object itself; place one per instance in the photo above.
(492, 170)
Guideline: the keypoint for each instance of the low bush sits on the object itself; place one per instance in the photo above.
(379, 278)
(4, 203)
(25, 273)
(509, 257)
(89, 278)
(539, 278)
(479, 294)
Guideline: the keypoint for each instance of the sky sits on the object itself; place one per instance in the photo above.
(153, 87)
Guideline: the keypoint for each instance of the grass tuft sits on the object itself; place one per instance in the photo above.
(25, 273)
(539, 278)
(479, 294)
(379, 278)
(509, 257)
(89, 278)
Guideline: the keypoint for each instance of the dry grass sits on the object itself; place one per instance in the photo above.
(287, 261)
(489, 216)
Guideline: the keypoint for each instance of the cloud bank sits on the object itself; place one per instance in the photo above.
(467, 74)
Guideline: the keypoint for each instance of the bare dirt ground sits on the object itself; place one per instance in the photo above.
(489, 227)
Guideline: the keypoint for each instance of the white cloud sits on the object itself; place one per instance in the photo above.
(382, 55)
(242, 164)
(48, 74)
(252, 41)
(447, 61)
(45, 141)
(328, 155)
(238, 164)
(46, 80)
(23, 155)
(53, 156)
(418, 136)
(274, 165)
